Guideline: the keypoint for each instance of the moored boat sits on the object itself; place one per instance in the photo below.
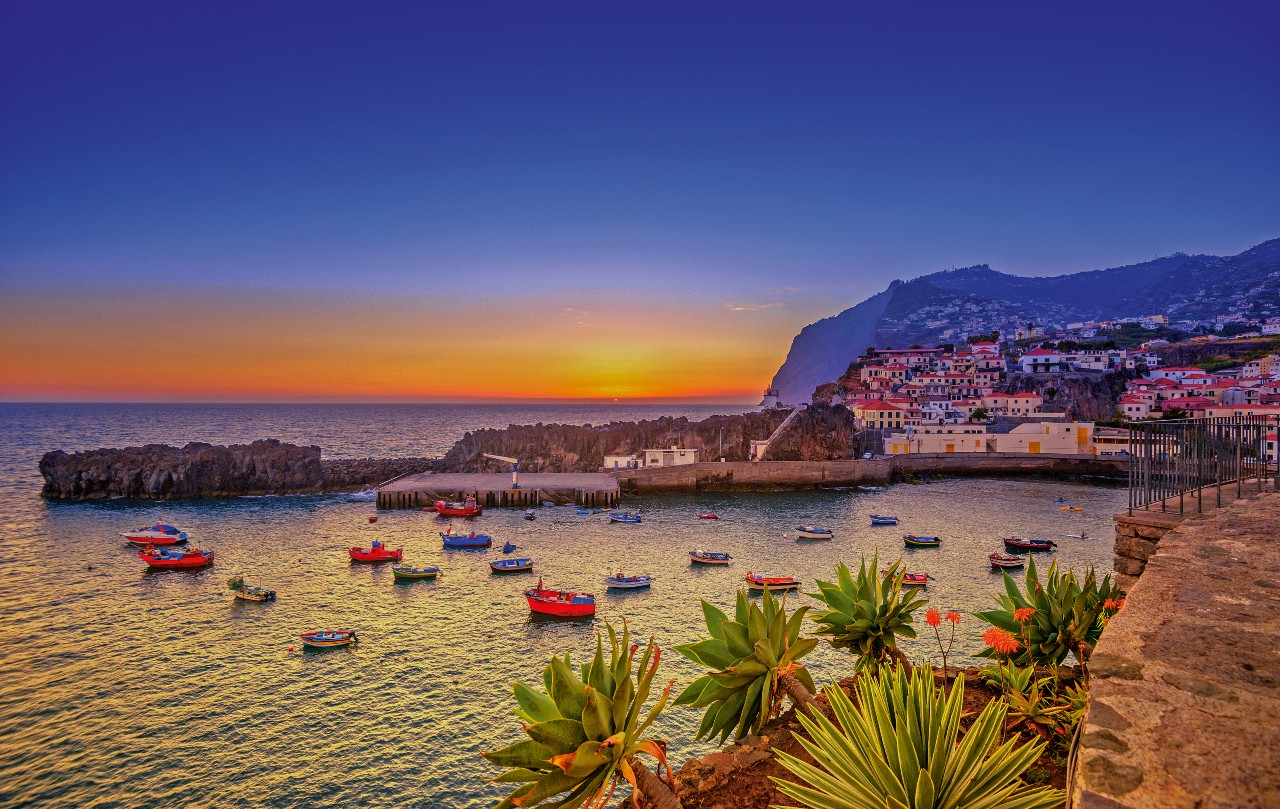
(1020, 544)
(813, 532)
(913, 541)
(624, 516)
(158, 534)
(1070, 508)
(560, 603)
(508, 547)
(883, 519)
(759, 583)
(165, 559)
(246, 592)
(701, 557)
(469, 540)
(376, 553)
(511, 565)
(708, 516)
(467, 508)
(328, 638)
(620, 582)
(1001, 561)
(530, 514)
(414, 573)
(912, 579)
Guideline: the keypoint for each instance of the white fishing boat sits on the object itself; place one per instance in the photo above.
(813, 532)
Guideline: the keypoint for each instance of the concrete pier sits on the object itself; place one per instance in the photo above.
(494, 490)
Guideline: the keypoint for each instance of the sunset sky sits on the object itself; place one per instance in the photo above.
(406, 201)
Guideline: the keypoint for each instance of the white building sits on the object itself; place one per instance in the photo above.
(670, 457)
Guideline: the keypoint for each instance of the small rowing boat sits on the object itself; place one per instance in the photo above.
(1003, 561)
(708, 516)
(759, 583)
(880, 519)
(624, 516)
(165, 559)
(159, 535)
(1070, 508)
(709, 558)
(414, 573)
(530, 514)
(246, 592)
(1020, 544)
(620, 582)
(913, 541)
(813, 532)
(328, 638)
(511, 565)
(469, 540)
(508, 547)
(377, 553)
(912, 579)
(559, 603)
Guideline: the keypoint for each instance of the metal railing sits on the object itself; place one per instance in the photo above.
(1178, 464)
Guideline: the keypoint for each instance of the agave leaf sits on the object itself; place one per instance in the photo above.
(536, 707)
(550, 784)
(714, 617)
(597, 717)
(737, 638)
(558, 734)
(518, 775)
(527, 754)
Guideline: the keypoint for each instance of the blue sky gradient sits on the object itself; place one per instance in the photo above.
(798, 155)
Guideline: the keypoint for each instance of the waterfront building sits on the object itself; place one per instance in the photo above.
(673, 456)
(877, 415)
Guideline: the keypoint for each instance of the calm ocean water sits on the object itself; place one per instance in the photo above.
(124, 688)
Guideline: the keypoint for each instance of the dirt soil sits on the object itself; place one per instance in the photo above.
(740, 775)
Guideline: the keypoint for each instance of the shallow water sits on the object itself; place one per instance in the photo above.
(122, 687)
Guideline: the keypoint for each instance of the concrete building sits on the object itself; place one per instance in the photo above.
(670, 457)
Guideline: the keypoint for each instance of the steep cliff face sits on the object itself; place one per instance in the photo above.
(568, 448)
(820, 433)
(158, 471)
(1083, 396)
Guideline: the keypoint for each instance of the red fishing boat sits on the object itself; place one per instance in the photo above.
(912, 579)
(377, 553)
(165, 559)
(559, 603)
(755, 581)
(467, 508)
(708, 516)
(157, 534)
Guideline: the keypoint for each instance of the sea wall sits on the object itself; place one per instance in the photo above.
(159, 471)
(781, 475)
(1184, 701)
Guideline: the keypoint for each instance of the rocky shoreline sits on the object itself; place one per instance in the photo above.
(162, 472)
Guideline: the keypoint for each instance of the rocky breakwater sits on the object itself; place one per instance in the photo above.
(818, 433)
(159, 471)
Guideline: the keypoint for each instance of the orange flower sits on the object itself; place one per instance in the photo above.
(932, 618)
(1000, 640)
(1024, 614)
(953, 617)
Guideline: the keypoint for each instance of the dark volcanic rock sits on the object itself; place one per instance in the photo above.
(159, 471)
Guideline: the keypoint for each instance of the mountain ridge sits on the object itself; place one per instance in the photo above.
(951, 304)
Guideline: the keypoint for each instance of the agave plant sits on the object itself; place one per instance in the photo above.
(868, 614)
(1064, 615)
(753, 663)
(898, 749)
(585, 730)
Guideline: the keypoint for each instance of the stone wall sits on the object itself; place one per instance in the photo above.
(766, 475)
(1184, 704)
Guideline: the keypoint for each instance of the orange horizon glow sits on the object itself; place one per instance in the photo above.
(181, 344)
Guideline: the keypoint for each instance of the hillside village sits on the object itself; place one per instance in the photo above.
(960, 398)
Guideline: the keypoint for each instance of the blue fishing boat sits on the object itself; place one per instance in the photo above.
(508, 547)
(530, 514)
(701, 557)
(471, 540)
(620, 582)
(913, 541)
(511, 565)
(582, 512)
(624, 516)
(878, 519)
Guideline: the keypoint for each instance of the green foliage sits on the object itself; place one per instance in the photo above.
(979, 414)
(1037, 708)
(867, 615)
(1065, 620)
(747, 656)
(1036, 702)
(582, 728)
(899, 748)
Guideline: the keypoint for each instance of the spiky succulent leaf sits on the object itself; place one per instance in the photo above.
(867, 614)
(579, 735)
(897, 747)
(744, 657)
(1067, 614)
